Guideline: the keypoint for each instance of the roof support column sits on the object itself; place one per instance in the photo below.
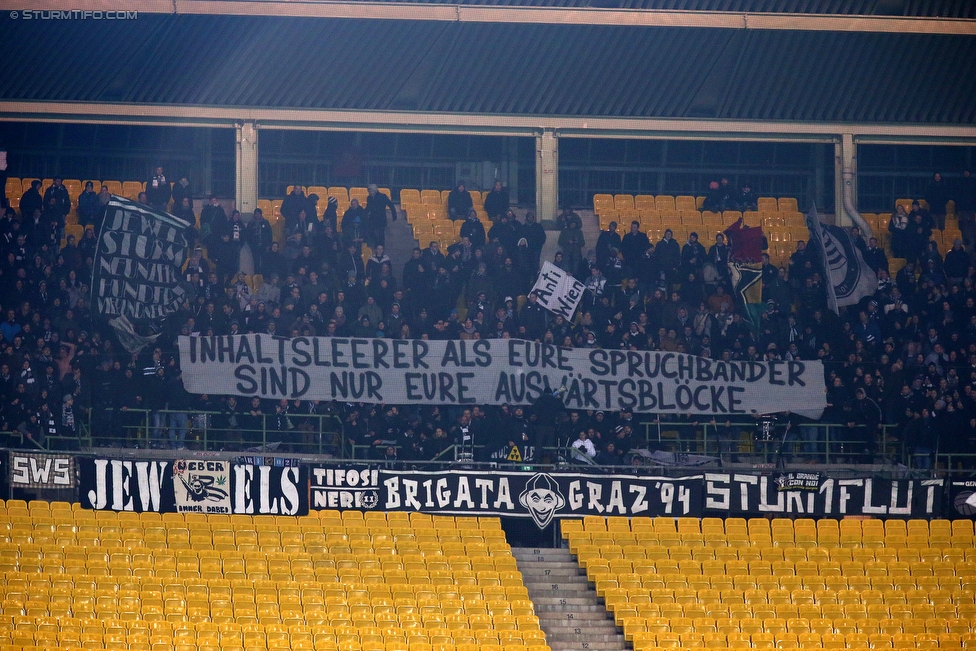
(845, 179)
(546, 174)
(247, 167)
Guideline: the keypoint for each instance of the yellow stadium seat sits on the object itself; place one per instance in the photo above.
(408, 195)
(665, 202)
(767, 204)
(644, 202)
(623, 201)
(787, 204)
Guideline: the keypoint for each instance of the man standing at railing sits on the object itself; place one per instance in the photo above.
(868, 415)
(548, 408)
(178, 402)
(156, 386)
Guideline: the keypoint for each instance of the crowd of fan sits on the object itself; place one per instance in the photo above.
(905, 357)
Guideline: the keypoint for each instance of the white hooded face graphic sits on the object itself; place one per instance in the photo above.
(542, 499)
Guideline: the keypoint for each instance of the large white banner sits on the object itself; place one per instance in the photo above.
(495, 372)
(558, 291)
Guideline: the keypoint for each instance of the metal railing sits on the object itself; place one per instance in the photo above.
(200, 430)
(821, 443)
(323, 434)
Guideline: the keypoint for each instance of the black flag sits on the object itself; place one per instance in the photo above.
(138, 268)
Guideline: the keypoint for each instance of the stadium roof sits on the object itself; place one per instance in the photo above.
(912, 8)
(494, 69)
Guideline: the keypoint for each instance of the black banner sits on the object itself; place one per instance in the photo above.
(136, 485)
(123, 485)
(750, 495)
(962, 499)
(344, 487)
(269, 490)
(798, 481)
(540, 496)
(138, 262)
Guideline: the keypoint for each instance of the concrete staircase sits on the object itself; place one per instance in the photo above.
(569, 610)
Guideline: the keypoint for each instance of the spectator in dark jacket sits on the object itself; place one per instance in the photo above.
(88, 206)
(31, 200)
(937, 196)
(875, 257)
(473, 229)
(633, 245)
(259, 237)
(609, 239)
(212, 216)
(59, 193)
(956, 263)
(459, 202)
(158, 191)
(497, 201)
(294, 204)
(376, 206)
(181, 191)
(669, 255)
(534, 234)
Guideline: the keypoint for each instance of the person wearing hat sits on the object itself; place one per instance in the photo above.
(351, 262)
(376, 206)
(459, 202)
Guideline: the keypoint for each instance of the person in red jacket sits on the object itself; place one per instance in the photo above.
(747, 242)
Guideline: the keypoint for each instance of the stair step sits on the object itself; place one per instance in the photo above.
(570, 611)
(602, 626)
(588, 608)
(555, 565)
(574, 614)
(583, 637)
(545, 580)
(569, 595)
(551, 586)
(557, 555)
(562, 602)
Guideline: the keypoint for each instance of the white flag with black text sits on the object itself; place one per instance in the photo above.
(558, 291)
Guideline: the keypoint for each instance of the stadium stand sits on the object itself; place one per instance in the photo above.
(781, 583)
(78, 579)
(780, 220)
